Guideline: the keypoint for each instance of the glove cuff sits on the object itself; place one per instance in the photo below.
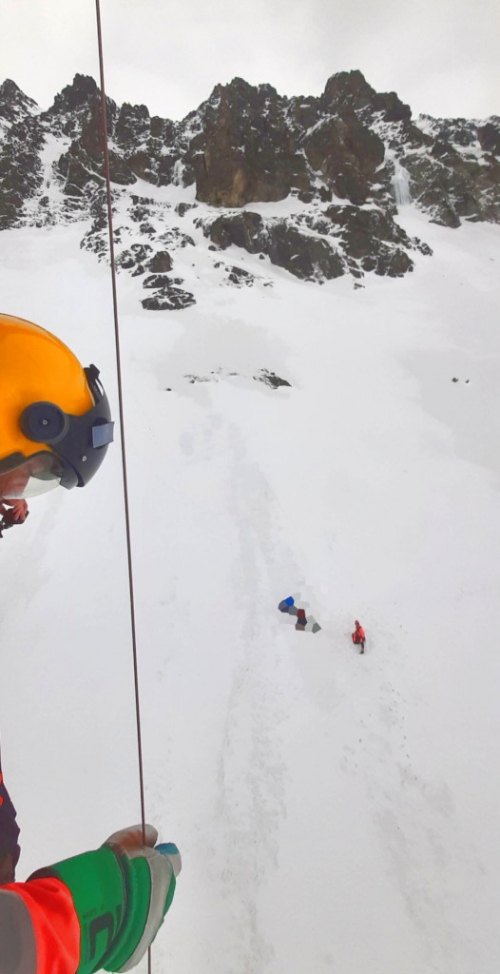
(97, 884)
(125, 952)
(120, 903)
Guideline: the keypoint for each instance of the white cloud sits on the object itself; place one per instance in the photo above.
(439, 55)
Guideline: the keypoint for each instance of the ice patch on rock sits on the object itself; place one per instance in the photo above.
(400, 184)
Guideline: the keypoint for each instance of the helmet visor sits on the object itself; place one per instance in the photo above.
(38, 474)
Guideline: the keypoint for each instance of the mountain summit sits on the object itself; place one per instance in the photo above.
(344, 162)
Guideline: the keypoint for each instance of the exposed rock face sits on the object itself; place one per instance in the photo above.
(345, 161)
(257, 146)
(244, 230)
(346, 90)
(14, 104)
(358, 230)
(452, 177)
(161, 262)
(343, 239)
(307, 257)
(21, 140)
(347, 154)
(489, 136)
(271, 379)
(150, 261)
(168, 296)
(247, 151)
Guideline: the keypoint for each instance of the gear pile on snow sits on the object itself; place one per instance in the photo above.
(304, 623)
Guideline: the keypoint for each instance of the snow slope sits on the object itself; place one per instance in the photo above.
(336, 813)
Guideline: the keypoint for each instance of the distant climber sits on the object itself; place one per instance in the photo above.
(358, 636)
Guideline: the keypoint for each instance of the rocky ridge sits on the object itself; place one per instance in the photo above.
(343, 162)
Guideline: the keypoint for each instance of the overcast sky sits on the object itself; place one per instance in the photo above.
(441, 56)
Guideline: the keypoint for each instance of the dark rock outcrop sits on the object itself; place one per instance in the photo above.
(305, 256)
(489, 136)
(15, 106)
(246, 152)
(453, 177)
(244, 230)
(347, 154)
(271, 379)
(21, 173)
(355, 240)
(239, 277)
(21, 141)
(168, 296)
(345, 160)
(358, 229)
(346, 90)
(161, 262)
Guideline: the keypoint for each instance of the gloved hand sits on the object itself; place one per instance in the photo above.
(121, 893)
(14, 512)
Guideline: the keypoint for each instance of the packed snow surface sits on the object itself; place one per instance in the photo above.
(335, 812)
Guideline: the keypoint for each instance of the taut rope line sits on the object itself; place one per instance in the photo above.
(122, 423)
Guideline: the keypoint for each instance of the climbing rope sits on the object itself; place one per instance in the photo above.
(122, 422)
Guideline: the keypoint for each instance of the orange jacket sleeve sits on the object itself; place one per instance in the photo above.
(39, 928)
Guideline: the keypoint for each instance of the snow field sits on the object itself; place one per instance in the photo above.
(334, 812)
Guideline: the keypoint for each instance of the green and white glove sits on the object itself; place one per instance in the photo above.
(121, 893)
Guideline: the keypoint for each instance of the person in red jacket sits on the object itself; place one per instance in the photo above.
(358, 636)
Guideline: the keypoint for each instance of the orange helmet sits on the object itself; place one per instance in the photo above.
(55, 422)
